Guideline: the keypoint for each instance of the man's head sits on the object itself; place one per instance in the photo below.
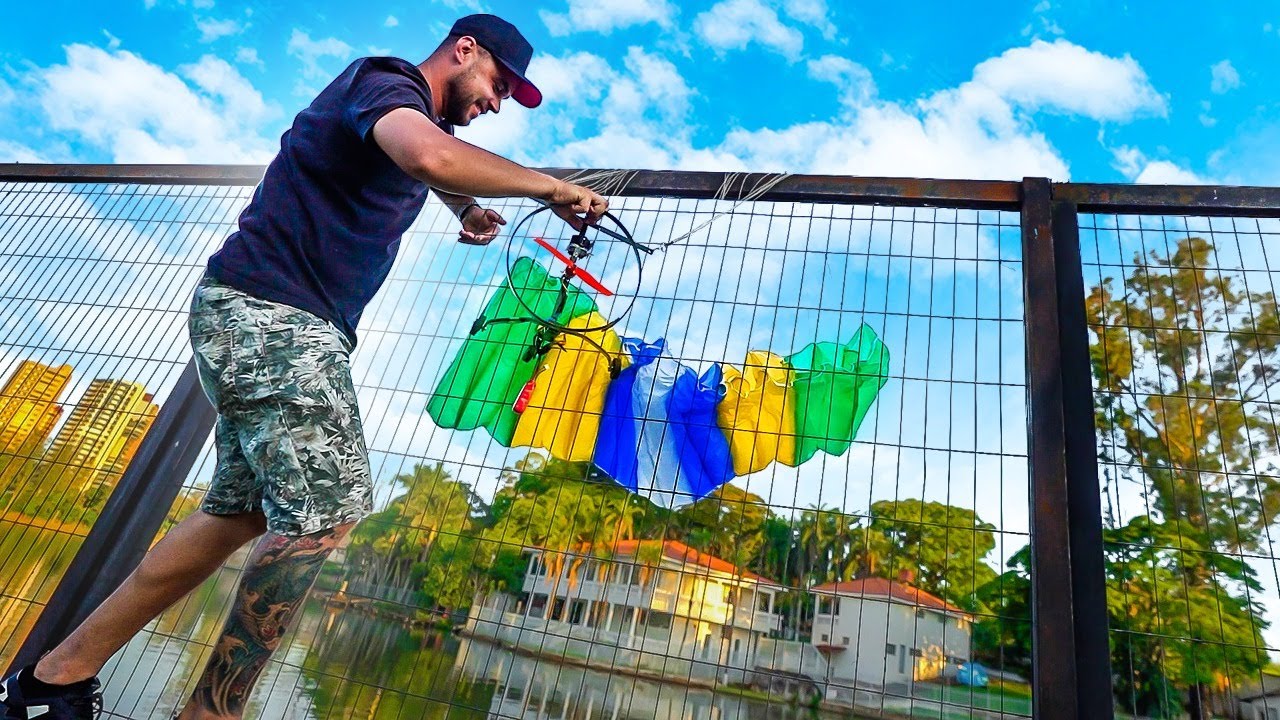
(484, 59)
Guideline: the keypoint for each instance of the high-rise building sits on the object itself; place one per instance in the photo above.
(29, 406)
(103, 432)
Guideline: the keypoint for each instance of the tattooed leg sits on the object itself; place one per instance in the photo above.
(280, 572)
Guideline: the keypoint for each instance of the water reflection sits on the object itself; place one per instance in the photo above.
(32, 560)
(347, 663)
(530, 689)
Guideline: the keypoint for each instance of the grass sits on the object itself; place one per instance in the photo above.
(1005, 697)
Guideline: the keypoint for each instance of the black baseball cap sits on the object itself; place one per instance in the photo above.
(505, 43)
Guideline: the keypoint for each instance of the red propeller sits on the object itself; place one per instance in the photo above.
(577, 271)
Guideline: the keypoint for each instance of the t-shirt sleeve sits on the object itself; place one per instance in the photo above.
(375, 93)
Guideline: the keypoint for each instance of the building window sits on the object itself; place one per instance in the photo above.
(829, 606)
(919, 614)
(845, 640)
(824, 637)
(668, 581)
(890, 649)
(765, 602)
(660, 620)
(730, 595)
(917, 652)
(589, 571)
(538, 606)
(576, 610)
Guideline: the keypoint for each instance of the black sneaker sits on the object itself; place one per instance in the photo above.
(78, 701)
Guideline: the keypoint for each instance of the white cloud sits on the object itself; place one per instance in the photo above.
(211, 29)
(853, 81)
(983, 128)
(599, 115)
(1064, 77)
(1206, 119)
(392, 21)
(735, 24)
(1225, 77)
(16, 152)
(811, 12)
(311, 52)
(1048, 25)
(249, 56)
(475, 6)
(1135, 165)
(202, 4)
(1249, 157)
(113, 42)
(136, 111)
(605, 16)
(1163, 172)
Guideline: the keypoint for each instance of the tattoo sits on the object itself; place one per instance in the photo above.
(279, 574)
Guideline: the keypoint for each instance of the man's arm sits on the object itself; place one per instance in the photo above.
(455, 203)
(446, 163)
(479, 225)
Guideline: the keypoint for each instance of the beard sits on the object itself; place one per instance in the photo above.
(457, 108)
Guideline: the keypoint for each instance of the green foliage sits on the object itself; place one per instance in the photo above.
(944, 546)
(1002, 632)
(1184, 358)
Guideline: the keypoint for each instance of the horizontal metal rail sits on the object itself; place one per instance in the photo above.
(971, 194)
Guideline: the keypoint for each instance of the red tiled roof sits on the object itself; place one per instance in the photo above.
(882, 587)
(681, 553)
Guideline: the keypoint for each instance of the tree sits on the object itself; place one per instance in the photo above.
(1166, 630)
(728, 523)
(1185, 359)
(943, 546)
(1002, 629)
(416, 536)
(560, 506)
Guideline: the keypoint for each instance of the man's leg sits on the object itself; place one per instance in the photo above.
(188, 554)
(276, 580)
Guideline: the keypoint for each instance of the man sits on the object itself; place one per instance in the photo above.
(272, 325)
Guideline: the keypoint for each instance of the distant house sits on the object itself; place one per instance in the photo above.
(1261, 701)
(670, 608)
(883, 632)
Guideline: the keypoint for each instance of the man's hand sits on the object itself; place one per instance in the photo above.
(479, 225)
(577, 205)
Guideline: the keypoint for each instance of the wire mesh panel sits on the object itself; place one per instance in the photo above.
(833, 519)
(94, 283)
(1184, 343)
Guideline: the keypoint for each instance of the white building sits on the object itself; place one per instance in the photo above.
(1260, 701)
(881, 632)
(659, 606)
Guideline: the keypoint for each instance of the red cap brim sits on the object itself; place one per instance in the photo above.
(527, 95)
(522, 91)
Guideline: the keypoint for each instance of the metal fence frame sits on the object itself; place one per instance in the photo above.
(1071, 671)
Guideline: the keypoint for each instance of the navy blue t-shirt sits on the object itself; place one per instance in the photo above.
(325, 223)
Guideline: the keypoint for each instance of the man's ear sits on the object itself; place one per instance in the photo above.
(464, 49)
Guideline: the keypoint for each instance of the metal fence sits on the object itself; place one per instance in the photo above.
(1067, 476)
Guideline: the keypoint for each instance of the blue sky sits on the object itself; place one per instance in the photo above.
(1148, 91)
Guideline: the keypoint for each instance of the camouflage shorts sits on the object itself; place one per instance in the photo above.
(289, 438)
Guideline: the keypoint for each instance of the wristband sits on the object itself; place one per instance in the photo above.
(463, 215)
